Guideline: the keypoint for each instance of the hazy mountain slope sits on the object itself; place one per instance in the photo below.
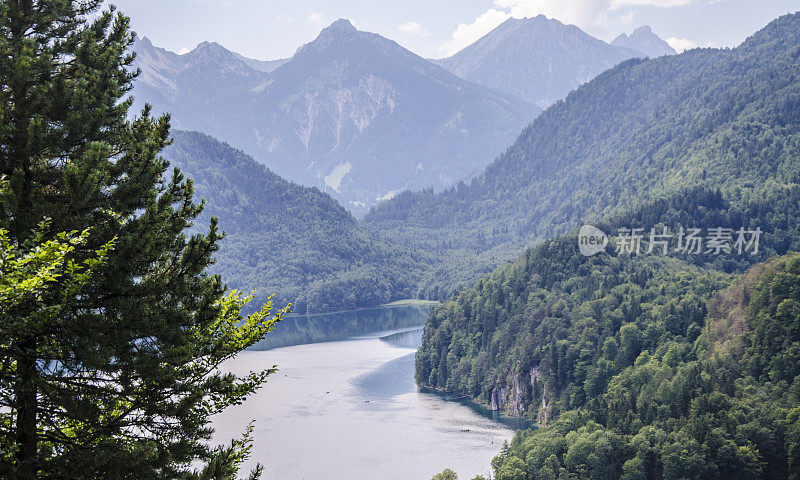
(352, 113)
(537, 59)
(265, 66)
(200, 89)
(645, 41)
(284, 239)
(642, 130)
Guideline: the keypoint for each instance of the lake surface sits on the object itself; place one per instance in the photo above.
(349, 409)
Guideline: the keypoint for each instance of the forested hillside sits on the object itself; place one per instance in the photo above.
(643, 130)
(282, 238)
(530, 337)
(604, 352)
(723, 405)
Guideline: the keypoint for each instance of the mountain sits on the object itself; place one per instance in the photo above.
(200, 89)
(265, 66)
(645, 41)
(539, 59)
(284, 239)
(686, 375)
(664, 365)
(643, 130)
(352, 113)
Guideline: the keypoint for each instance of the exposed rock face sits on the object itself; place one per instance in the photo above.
(509, 400)
(521, 397)
(346, 98)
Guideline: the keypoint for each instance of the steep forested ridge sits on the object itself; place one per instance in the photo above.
(638, 366)
(530, 337)
(284, 239)
(643, 130)
(613, 351)
(723, 406)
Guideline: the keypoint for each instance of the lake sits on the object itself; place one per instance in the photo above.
(349, 408)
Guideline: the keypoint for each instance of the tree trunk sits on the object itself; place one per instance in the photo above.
(26, 396)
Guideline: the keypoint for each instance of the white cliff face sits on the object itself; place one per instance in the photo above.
(334, 179)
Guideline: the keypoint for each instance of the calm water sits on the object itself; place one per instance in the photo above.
(349, 409)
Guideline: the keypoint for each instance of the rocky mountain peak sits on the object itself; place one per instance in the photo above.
(643, 40)
(341, 25)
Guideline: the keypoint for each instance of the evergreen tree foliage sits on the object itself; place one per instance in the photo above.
(109, 356)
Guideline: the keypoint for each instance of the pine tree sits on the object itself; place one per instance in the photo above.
(120, 381)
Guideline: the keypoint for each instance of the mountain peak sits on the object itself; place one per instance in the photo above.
(215, 56)
(538, 20)
(142, 41)
(341, 25)
(210, 47)
(644, 41)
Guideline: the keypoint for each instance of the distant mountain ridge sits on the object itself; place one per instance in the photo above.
(352, 113)
(541, 60)
(644, 40)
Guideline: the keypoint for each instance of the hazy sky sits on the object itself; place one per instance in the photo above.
(269, 29)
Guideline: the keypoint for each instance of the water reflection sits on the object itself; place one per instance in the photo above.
(307, 329)
(411, 338)
(349, 410)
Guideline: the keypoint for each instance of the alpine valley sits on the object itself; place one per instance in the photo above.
(670, 366)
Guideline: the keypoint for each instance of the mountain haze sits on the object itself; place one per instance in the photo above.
(352, 113)
(645, 41)
(540, 59)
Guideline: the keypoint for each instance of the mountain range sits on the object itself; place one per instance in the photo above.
(352, 113)
(646, 128)
(640, 130)
(541, 60)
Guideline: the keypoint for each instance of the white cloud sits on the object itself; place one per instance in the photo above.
(315, 18)
(681, 44)
(590, 15)
(183, 51)
(628, 17)
(616, 4)
(413, 28)
(467, 33)
(586, 14)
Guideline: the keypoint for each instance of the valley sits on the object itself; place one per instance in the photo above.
(509, 240)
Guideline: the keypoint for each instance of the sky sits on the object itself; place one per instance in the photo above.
(271, 29)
